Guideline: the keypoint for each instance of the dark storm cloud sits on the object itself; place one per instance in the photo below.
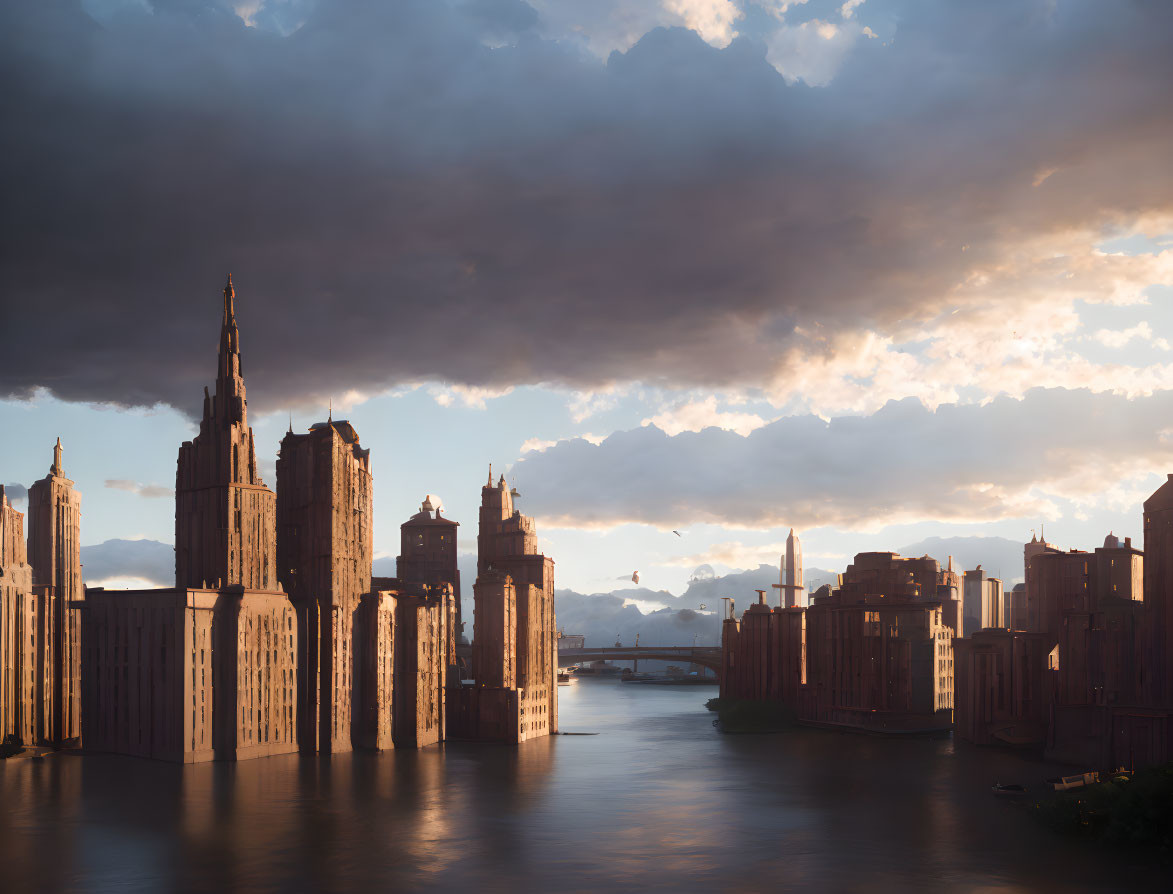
(971, 463)
(400, 201)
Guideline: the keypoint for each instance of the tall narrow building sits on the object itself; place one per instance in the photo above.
(55, 556)
(224, 514)
(791, 593)
(324, 554)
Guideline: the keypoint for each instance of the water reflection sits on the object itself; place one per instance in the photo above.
(658, 799)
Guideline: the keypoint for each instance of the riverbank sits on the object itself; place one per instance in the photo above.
(1134, 810)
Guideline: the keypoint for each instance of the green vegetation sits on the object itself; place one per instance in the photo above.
(738, 716)
(1136, 810)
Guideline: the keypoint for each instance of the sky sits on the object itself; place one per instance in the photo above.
(878, 270)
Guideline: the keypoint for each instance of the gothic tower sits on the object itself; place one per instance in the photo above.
(225, 517)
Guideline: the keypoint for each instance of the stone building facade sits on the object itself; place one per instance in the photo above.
(1002, 694)
(55, 556)
(189, 675)
(425, 663)
(514, 693)
(324, 554)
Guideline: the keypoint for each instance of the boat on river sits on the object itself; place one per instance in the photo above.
(1078, 780)
(1014, 790)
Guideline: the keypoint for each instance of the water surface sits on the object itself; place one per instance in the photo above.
(657, 800)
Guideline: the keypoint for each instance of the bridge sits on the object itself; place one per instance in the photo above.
(705, 656)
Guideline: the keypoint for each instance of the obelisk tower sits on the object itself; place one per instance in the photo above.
(791, 594)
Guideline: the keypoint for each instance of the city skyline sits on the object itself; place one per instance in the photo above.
(907, 288)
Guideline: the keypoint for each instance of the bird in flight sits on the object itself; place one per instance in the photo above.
(635, 577)
(677, 533)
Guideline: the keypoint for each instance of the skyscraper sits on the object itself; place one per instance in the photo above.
(18, 625)
(324, 508)
(55, 555)
(514, 695)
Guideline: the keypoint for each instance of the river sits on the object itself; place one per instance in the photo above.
(655, 800)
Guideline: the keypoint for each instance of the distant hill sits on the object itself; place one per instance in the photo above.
(604, 617)
(147, 560)
(998, 556)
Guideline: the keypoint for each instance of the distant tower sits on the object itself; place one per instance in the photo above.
(792, 593)
(225, 517)
(427, 553)
(55, 556)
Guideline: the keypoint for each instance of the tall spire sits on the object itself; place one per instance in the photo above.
(229, 405)
(55, 469)
(490, 484)
(229, 294)
(229, 334)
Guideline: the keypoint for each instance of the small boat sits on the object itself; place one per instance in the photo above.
(1009, 791)
(566, 676)
(1079, 780)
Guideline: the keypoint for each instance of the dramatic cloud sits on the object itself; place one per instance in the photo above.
(444, 192)
(142, 490)
(695, 415)
(961, 463)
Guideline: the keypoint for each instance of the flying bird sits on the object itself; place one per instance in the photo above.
(677, 533)
(635, 577)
